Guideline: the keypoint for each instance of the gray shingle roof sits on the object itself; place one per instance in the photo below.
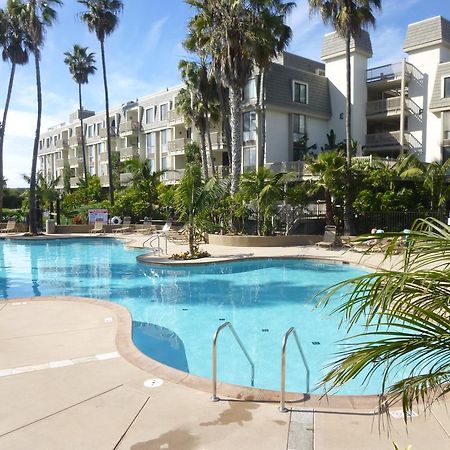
(299, 62)
(438, 103)
(427, 33)
(334, 45)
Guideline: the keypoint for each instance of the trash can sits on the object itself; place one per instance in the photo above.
(50, 226)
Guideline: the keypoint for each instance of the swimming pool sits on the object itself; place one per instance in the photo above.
(176, 311)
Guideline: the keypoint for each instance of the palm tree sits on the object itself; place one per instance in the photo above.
(193, 196)
(14, 51)
(81, 65)
(223, 30)
(329, 167)
(348, 18)
(407, 314)
(271, 37)
(263, 188)
(101, 17)
(36, 16)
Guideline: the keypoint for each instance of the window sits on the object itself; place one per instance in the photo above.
(150, 115)
(300, 92)
(47, 143)
(165, 138)
(164, 164)
(90, 131)
(298, 127)
(250, 89)
(98, 127)
(91, 152)
(164, 111)
(249, 158)
(447, 87)
(150, 144)
(249, 120)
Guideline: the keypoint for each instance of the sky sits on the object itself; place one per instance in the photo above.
(142, 58)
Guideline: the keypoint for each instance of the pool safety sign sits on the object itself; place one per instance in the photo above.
(94, 214)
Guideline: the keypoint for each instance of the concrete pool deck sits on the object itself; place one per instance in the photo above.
(70, 379)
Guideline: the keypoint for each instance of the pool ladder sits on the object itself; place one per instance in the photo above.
(290, 332)
(156, 237)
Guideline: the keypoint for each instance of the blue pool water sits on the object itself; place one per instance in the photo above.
(176, 311)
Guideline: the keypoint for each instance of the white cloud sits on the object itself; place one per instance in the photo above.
(385, 54)
(153, 35)
(392, 8)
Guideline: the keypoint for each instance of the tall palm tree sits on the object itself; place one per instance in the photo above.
(101, 17)
(271, 37)
(14, 51)
(407, 313)
(348, 18)
(223, 30)
(36, 16)
(81, 65)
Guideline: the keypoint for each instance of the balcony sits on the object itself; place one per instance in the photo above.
(388, 107)
(74, 182)
(300, 168)
(62, 143)
(61, 163)
(128, 153)
(75, 162)
(126, 178)
(74, 141)
(391, 72)
(104, 180)
(222, 171)
(383, 141)
(217, 140)
(175, 117)
(104, 157)
(102, 133)
(176, 146)
(172, 176)
(129, 128)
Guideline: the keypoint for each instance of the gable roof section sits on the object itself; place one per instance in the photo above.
(334, 45)
(438, 102)
(427, 33)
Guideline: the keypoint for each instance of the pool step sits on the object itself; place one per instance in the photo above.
(301, 431)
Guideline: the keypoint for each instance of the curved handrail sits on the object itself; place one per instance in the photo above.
(214, 397)
(283, 366)
(153, 237)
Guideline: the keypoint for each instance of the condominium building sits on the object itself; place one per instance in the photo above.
(396, 108)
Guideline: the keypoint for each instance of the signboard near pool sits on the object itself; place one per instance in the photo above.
(94, 214)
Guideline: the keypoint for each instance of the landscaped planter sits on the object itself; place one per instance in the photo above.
(263, 241)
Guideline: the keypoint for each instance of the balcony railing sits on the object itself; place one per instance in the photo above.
(104, 180)
(74, 141)
(298, 167)
(132, 126)
(177, 145)
(62, 143)
(217, 139)
(388, 105)
(75, 161)
(104, 157)
(388, 139)
(172, 176)
(74, 182)
(102, 133)
(60, 163)
(126, 178)
(128, 153)
(223, 171)
(175, 117)
(389, 72)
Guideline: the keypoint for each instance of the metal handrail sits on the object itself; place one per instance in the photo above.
(157, 237)
(214, 397)
(283, 367)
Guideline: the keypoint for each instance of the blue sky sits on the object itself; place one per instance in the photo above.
(142, 57)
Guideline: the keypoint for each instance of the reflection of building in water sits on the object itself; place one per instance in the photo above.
(161, 344)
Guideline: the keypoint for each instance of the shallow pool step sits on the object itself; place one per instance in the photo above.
(301, 431)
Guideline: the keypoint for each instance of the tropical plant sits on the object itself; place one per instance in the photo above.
(348, 18)
(407, 315)
(271, 37)
(223, 30)
(198, 103)
(14, 50)
(193, 196)
(35, 17)
(46, 191)
(101, 17)
(264, 189)
(81, 65)
(330, 169)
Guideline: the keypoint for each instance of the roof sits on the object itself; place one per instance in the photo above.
(334, 45)
(438, 101)
(427, 33)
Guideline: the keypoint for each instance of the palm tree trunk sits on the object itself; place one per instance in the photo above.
(210, 151)
(83, 144)
(108, 127)
(191, 236)
(328, 208)
(223, 101)
(262, 101)
(236, 136)
(203, 150)
(32, 199)
(348, 215)
(2, 133)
